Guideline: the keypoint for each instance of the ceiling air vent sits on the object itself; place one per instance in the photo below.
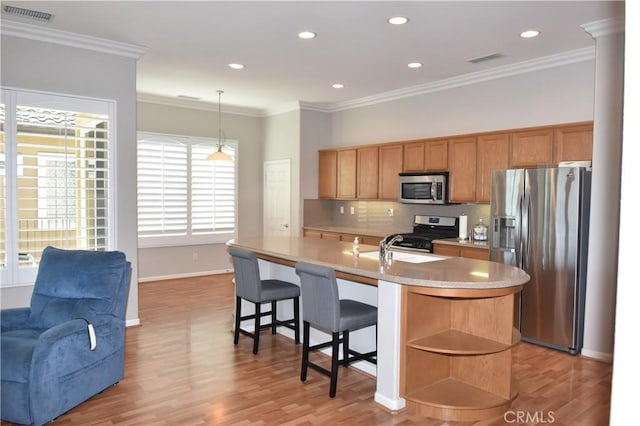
(486, 58)
(27, 13)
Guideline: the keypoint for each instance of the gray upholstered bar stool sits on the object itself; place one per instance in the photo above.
(250, 287)
(324, 310)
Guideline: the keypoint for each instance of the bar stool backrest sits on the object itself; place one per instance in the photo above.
(247, 274)
(319, 290)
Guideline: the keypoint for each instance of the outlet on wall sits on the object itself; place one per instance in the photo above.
(341, 209)
(195, 256)
(353, 210)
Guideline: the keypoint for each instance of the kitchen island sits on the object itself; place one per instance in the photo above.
(445, 330)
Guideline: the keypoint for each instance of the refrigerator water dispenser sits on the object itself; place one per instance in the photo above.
(504, 233)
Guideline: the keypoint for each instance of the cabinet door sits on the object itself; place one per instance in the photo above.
(462, 170)
(532, 148)
(436, 155)
(492, 154)
(474, 253)
(312, 234)
(574, 143)
(331, 236)
(446, 250)
(414, 157)
(367, 171)
(346, 185)
(390, 166)
(371, 240)
(327, 174)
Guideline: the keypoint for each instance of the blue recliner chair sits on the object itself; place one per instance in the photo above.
(50, 361)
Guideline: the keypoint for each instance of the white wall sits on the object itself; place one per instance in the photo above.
(625, 361)
(315, 134)
(48, 67)
(557, 95)
(174, 262)
(282, 141)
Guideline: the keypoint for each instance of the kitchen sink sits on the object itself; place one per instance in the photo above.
(404, 257)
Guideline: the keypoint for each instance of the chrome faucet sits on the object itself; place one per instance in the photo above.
(385, 247)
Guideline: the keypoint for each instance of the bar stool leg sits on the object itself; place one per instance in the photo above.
(305, 352)
(296, 317)
(236, 331)
(335, 347)
(345, 348)
(256, 331)
(273, 317)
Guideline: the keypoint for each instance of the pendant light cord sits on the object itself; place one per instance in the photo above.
(220, 92)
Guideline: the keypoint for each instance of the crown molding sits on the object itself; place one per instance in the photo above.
(66, 38)
(604, 27)
(565, 58)
(200, 105)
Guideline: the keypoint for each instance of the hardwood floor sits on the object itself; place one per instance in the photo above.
(183, 369)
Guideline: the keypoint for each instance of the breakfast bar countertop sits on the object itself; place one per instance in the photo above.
(435, 272)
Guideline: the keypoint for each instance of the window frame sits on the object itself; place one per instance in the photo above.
(190, 239)
(12, 274)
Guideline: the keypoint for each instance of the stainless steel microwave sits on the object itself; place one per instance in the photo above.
(424, 188)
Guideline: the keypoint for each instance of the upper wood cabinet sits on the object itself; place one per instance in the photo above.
(492, 154)
(346, 184)
(426, 155)
(327, 174)
(532, 148)
(367, 172)
(389, 167)
(371, 171)
(462, 170)
(574, 143)
(436, 155)
(413, 157)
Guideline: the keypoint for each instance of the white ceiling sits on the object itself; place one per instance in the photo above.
(190, 44)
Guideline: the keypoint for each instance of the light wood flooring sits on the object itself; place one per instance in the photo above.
(183, 369)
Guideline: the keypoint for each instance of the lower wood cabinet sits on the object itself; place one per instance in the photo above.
(336, 236)
(456, 352)
(459, 251)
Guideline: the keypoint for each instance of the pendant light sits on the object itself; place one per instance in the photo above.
(219, 155)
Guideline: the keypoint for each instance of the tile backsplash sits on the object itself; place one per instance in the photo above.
(376, 214)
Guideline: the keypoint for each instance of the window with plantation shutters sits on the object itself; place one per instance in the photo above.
(183, 198)
(54, 178)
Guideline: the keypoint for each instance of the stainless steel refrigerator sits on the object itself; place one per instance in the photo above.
(540, 223)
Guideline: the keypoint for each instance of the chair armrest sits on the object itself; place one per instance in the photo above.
(14, 318)
(65, 348)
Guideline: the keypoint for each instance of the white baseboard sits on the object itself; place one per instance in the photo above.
(184, 275)
(132, 322)
(600, 356)
(391, 404)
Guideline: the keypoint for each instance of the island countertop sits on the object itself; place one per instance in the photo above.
(445, 273)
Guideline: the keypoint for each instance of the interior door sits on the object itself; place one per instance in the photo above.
(277, 198)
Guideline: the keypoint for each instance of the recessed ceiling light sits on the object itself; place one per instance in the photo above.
(398, 20)
(414, 64)
(307, 35)
(529, 34)
(236, 66)
(337, 85)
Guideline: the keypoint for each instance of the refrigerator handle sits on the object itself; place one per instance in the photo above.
(526, 210)
(518, 236)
